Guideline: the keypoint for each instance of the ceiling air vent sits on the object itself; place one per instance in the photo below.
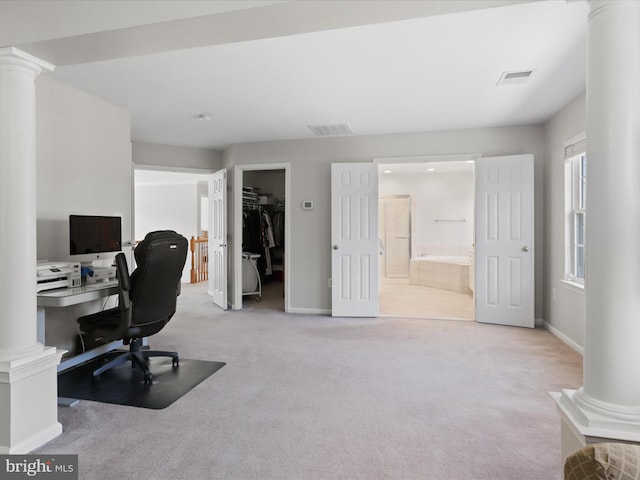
(515, 77)
(328, 130)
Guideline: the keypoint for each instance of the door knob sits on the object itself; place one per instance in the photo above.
(335, 247)
(525, 248)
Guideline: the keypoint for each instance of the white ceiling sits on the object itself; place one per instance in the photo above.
(435, 72)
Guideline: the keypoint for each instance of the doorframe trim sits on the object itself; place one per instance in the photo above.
(238, 171)
(455, 157)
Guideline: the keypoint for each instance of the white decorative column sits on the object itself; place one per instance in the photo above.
(28, 370)
(607, 407)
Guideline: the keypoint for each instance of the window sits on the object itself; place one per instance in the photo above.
(575, 210)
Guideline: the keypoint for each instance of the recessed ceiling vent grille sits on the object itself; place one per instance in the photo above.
(329, 130)
(515, 77)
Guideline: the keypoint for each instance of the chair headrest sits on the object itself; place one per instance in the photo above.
(141, 250)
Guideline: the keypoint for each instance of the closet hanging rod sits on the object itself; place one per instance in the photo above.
(462, 220)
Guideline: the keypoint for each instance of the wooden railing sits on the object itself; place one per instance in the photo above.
(199, 259)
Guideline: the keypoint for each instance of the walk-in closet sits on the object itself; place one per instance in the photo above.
(263, 245)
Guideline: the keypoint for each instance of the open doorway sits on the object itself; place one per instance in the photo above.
(426, 230)
(261, 235)
(170, 200)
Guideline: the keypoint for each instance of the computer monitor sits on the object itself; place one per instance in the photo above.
(93, 236)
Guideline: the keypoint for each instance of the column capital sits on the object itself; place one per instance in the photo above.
(15, 56)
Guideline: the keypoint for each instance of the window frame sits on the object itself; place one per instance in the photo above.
(575, 213)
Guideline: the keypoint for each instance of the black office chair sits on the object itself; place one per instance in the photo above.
(146, 300)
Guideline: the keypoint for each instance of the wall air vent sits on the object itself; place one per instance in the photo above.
(328, 130)
(515, 77)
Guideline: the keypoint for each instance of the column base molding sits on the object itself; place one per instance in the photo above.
(28, 406)
(34, 442)
(583, 425)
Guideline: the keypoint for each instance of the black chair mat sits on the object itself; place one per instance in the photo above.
(123, 385)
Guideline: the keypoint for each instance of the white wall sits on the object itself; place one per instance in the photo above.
(436, 196)
(309, 249)
(563, 304)
(186, 158)
(168, 207)
(203, 207)
(83, 167)
(83, 163)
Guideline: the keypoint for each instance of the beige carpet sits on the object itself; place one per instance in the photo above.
(315, 397)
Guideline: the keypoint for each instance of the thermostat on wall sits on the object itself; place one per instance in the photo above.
(307, 204)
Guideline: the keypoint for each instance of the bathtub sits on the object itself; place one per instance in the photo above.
(439, 271)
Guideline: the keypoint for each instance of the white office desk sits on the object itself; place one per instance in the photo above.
(63, 306)
(63, 297)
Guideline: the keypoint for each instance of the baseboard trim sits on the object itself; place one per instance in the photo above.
(310, 311)
(563, 337)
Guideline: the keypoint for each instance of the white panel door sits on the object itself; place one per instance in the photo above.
(218, 260)
(354, 239)
(504, 241)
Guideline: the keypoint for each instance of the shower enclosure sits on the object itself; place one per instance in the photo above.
(395, 235)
